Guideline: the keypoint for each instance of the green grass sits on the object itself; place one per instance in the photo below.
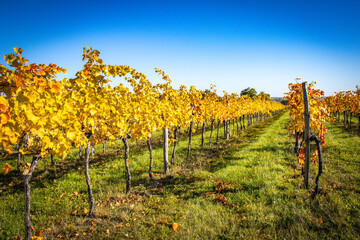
(248, 187)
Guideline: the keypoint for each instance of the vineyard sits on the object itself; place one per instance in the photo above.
(85, 160)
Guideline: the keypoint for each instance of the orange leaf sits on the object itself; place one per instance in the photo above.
(26, 171)
(175, 227)
(3, 104)
(41, 72)
(55, 87)
(39, 233)
(7, 168)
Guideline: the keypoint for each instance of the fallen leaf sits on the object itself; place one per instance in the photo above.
(7, 168)
(39, 233)
(26, 171)
(37, 237)
(319, 220)
(165, 221)
(175, 227)
(242, 217)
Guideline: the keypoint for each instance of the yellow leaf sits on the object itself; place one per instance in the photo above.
(75, 95)
(31, 97)
(37, 237)
(55, 87)
(31, 116)
(22, 151)
(70, 135)
(92, 111)
(46, 142)
(176, 226)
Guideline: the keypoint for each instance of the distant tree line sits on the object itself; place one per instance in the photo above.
(253, 93)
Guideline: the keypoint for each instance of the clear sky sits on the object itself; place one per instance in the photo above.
(232, 44)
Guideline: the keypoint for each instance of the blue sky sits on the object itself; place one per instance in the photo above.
(232, 44)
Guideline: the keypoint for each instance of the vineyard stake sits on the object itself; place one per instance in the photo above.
(307, 137)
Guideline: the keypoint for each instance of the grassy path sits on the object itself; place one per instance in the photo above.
(248, 187)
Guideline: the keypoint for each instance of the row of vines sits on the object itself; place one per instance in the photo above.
(41, 116)
(309, 111)
(346, 103)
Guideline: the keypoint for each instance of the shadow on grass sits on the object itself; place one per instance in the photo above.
(354, 129)
(187, 185)
(212, 159)
(13, 181)
(15, 178)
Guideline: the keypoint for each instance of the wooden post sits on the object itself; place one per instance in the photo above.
(203, 135)
(92, 150)
(148, 142)
(126, 158)
(80, 152)
(218, 129)
(104, 144)
(189, 144)
(87, 177)
(224, 129)
(166, 151)
(176, 131)
(227, 135)
(307, 137)
(212, 129)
